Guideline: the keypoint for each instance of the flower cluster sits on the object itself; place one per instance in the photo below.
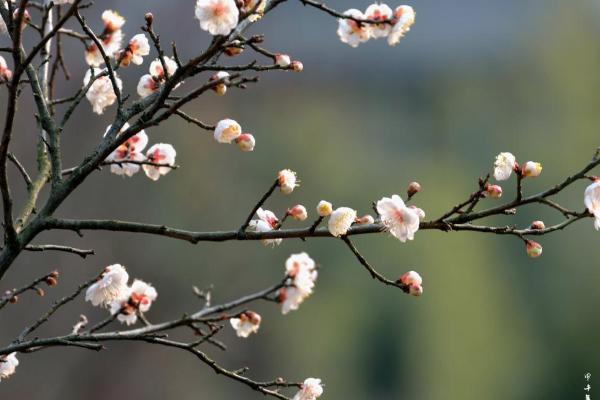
(378, 21)
(301, 272)
(150, 83)
(111, 290)
(111, 39)
(101, 93)
(159, 159)
(247, 323)
(229, 131)
(506, 164)
(8, 365)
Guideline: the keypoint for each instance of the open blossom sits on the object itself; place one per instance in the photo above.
(247, 323)
(592, 202)
(5, 73)
(302, 273)
(139, 297)
(246, 142)
(111, 39)
(266, 222)
(504, 166)
(8, 365)
(130, 150)
(404, 18)
(135, 51)
(227, 130)
(218, 17)
(220, 88)
(351, 32)
(400, 220)
(111, 286)
(311, 390)
(324, 208)
(531, 169)
(160, 153)
(340, 221)
(150, 83)
(287, 181)
(298, 212)
(101, 94)
(379, 12)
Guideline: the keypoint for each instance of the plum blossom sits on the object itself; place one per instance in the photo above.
(130, 150)
(404, 18)
(246, 142)
(592, 201)
(311, 390)
(111, 39)
(111, 286)
(227, 130)
(5, 73)
(351, 32)
(365, 220)
(287, 181)
(379, 12)
(324, 208)
(139, 297)
(283, 60)
(531, 169)
(8, 365)
(401, 221)
(266, 222)
(218, 17)
(150, 83)
(160, 153)
(504, 166)
(298, 212)
(135, 51)
(538, 225)
(296, 66)
(247, 323)
(219, 88)
(413, 283)
(534, 249)
(302, 273)
(493, 191)
(340, 221)
(101, 94)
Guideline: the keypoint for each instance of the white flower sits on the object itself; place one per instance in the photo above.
(404, 17)
(266, 222)
(303, 272)
(352, 32)
(131, 149)
(160, 153)
(227, 130)
(247, 323)
(379, 12)
(5, 73)
(531, 169)
(139, 297)
(287, 181)
(311, 390)
(8, 365)
(324, 208)
(400, 220)
(340, 221)
(504, 166)
(150, 83)
(136, 50)
(592, 202)
(246, 142)
(101, 94)
(113, 21)
(218, 17)
(147, 85)
(111, 286)
(283, 60)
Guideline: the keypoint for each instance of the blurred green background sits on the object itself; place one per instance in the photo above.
(471, 79)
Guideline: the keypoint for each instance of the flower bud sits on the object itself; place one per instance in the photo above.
(220, 88)
(324, 208)
(411, 278)
(246, 142)
(13, 299)
(298, 212)
(493, 191)
(296, 66)
(534, 249)
(531, 169)
(51, 281)
(233, 51)
(415, 290)
(365, 220)
(149, 18)
(538, 225)
(413, 188)
(40, 292)
(283, 60)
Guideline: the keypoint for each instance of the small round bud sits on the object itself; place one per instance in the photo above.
(40, 292)
(50, 281)
(298, 212)
(296, 66)
(220, 88)
(411, 278)
(149, 18)
(531, 169)
(538, 225)
(365, 220)
(413, 188)
(493, 191)
(246, 142)
(13, 299)
(283, 60)
(324, 208)
(534, 249)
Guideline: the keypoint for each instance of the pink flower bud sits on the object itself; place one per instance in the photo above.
(538, 225)
(365, 220)
(246, 142)
(531, 169)
(283, 60)
(296, 66)
(415, 290)
(534, 249)
(411, 278)
(413, 188)
(493, 191)
(298, 212)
